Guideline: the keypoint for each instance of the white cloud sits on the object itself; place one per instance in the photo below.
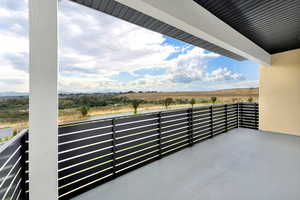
(94, 47)
(105, 44)
(223, 74)
(14, 46)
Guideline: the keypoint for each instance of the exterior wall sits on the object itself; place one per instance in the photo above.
(279, 95)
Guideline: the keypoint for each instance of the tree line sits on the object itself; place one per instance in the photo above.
(16, 108)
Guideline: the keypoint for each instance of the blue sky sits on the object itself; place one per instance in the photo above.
(101, 53)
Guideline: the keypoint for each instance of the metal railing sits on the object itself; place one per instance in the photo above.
(248, 115)
(13, 168)
(94, 152)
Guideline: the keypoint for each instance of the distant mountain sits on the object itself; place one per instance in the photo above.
(13, 94)
(225, 92)
(21, 94)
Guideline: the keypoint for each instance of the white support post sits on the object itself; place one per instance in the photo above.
(43, 109)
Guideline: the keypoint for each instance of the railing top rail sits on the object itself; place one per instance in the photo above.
(132, 115)
(14, 139)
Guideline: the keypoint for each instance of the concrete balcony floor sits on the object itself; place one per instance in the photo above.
(242, 164)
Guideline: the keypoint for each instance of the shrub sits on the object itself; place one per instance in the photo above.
(84, 110)
(213, 99)
(135, 104)
(167, 102)
(192, 102)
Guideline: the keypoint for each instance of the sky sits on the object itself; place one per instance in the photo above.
(100, 53)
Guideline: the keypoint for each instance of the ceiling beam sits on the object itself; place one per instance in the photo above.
(192, 18)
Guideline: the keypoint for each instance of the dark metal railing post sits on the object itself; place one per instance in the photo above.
(191, 128)
(241, 114)
(114, 146)
(238, 115)
(211, 121)
(159, 135)
(226, 118)
(23, 170)
(256, 116)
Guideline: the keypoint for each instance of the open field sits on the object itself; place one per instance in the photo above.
(16, 117)
(70, 115)
(222, 95)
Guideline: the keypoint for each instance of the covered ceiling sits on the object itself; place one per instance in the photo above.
(274, 25)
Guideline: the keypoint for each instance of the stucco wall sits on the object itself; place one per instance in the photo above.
(279, 95)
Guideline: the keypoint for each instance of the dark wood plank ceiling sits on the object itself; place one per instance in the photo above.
(123, 12)
(274, 25)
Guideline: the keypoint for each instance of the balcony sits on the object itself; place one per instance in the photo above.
(252, 165)
(210, 152)
(96, 152)
(241, 164)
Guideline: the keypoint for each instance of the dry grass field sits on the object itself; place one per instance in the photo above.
(229, 95)
(72, 115)
(202, 98)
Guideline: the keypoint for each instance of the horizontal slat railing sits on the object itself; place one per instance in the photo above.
(13, 168)
(94, 152)
(248, 115)
(91, 153)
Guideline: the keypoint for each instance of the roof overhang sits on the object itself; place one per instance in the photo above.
(274, 25)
